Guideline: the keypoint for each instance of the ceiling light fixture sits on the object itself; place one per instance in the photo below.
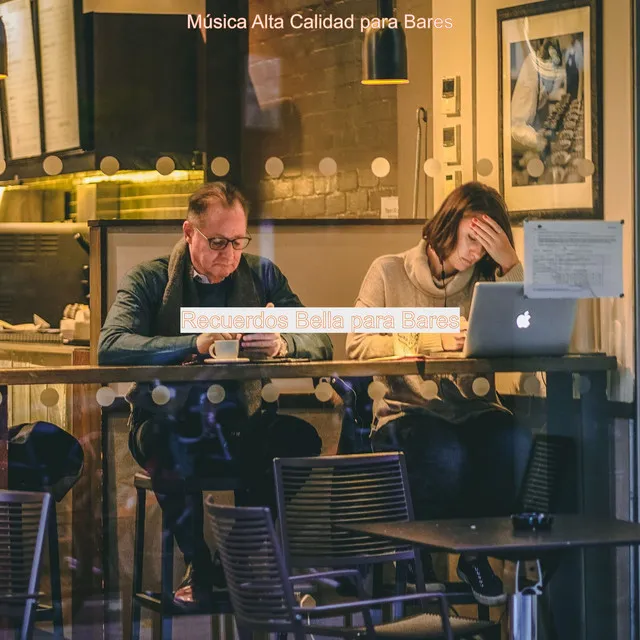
(384, 51)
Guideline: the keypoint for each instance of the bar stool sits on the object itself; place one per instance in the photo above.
(53, 612)
(162, 602)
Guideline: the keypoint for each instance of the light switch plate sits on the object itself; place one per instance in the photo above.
(451, 144)
(452, 180)
(451, 96)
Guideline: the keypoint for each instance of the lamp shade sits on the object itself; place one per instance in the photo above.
(4, 60)
(384, 56)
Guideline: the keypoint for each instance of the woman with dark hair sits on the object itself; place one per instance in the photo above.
(458, 447)
(471, 228)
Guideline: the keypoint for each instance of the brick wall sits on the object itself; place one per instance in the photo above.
(305, 102)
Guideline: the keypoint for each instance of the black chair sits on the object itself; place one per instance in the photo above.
(315, 494)
(162, 602)
(262, 591)
(53, 612)
(550, 457)
(23, 527)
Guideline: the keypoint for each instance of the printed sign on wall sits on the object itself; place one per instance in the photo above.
(580, 259)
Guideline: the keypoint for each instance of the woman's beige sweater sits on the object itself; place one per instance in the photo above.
(405, 280)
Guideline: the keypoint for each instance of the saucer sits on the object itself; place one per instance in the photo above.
(225, 360)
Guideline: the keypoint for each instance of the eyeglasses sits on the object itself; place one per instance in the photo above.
(219, 243)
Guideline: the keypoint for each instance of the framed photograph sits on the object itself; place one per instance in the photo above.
(550, 109)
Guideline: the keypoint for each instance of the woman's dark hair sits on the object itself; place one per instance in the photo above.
(441, 231)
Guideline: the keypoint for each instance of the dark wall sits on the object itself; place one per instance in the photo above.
(39, 273)
(145, 89)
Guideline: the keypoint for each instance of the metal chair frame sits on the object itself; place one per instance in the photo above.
(261, 588)
(360, 488)
(53, 612)
(21, 555)
(374, 488)
(549, 457)
(162, 603)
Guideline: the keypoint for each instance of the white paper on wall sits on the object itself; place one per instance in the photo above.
(389, 207)
(59, 77)
(576, 259)
(21, 84)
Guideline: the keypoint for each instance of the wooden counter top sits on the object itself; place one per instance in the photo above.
(249, 371)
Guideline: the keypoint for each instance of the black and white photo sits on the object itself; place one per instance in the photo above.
(549, 149)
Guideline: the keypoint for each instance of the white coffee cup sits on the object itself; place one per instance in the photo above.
(405, 344)
(225, 349)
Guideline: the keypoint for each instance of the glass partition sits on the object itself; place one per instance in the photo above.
(465, 244)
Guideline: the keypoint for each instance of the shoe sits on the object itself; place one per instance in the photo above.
(485, 585)
(196, 591)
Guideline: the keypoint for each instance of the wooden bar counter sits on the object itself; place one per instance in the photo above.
(251, 371)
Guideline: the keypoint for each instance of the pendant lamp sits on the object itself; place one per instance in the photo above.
(4, 61)
(384, 51)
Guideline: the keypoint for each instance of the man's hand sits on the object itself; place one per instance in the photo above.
(266, 344)
(455, 341)
(205, 340)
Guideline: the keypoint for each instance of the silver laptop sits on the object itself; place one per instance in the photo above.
(503, 323)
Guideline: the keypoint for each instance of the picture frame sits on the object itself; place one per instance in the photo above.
(550, 109)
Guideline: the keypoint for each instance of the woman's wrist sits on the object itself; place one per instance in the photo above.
(506, 267)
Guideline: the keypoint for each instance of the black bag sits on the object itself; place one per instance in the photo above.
(266, 436)
(269, 435)
(43, 457)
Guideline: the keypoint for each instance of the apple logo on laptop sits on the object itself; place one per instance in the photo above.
(523, 320)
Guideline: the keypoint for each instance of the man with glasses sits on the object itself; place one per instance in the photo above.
(194, 434)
